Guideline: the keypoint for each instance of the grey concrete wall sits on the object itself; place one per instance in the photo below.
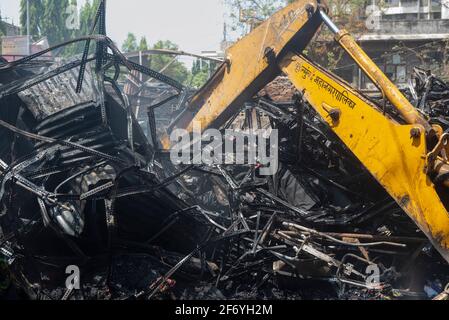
(413, 27)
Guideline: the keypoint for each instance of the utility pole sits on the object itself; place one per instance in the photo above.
(28, 27)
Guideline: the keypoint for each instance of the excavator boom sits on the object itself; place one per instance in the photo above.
(403, 158)
(251, 63)
(384, 147)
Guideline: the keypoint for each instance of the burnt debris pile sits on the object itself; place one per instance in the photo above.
(85, 186)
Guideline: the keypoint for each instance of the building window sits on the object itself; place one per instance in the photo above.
(390, 72)
(436, 15)
(396, 72)
(395, 69)
(401, 74)
(392, 3)
(396, 59)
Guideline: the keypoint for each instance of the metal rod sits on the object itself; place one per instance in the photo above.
(28, 27)
(171, 52)
(329, 22)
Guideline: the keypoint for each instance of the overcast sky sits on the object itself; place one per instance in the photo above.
(195, 25)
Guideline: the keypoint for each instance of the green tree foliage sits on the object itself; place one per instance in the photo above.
(143, 45)
(2, 26)
(348, 14)
(248, 14)
(168, 65)
(36, 17)
(54, 21)
(48, 18)
(130, 43)
(87, 16)
(201, 72)
(2, 30)
(172, 67)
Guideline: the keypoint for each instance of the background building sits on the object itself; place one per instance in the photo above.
(9, 38)
(401, 35)
(11, 30)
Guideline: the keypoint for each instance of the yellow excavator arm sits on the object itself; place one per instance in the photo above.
(398, 156)
(386, 148)
(251, 63)
(402, 157)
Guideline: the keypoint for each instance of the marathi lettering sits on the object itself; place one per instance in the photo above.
(340, 96)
